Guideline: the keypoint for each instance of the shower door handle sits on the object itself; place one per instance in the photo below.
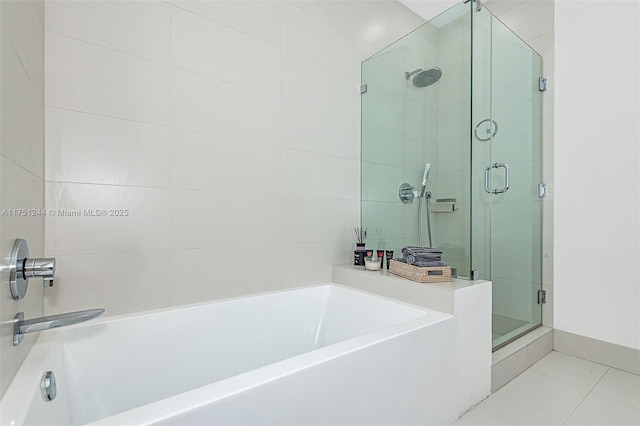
(487, 172)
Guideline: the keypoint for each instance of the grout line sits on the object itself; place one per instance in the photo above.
(576, 408)
(495, 412)
(608, 398)
(184, 9)
(26, 71)
(91, 43)
(601, 377)
(20, 166)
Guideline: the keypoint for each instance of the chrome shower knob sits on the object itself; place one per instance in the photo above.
(44, 267)
(21, 268)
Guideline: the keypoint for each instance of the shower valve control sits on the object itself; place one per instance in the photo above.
(407, 193)
(21, 268)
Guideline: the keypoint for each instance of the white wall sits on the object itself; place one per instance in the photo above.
(597, 210)
(21, 165)
(230, 130)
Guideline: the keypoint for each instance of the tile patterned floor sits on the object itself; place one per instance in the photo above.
(562, 390)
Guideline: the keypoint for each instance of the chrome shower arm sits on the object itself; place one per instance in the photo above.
(408, 74)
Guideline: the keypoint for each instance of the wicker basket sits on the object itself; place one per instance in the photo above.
(435, 274)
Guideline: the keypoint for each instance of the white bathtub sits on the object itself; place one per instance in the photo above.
(318, 355)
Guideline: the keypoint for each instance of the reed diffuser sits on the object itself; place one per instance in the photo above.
(361, 236)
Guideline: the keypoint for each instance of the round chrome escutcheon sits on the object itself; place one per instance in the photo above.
(48, 386)
(17, 281)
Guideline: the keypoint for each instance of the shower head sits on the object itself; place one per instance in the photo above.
(427, 167)
(424, 77)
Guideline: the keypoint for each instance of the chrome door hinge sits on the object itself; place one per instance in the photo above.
(542, 190)
(363, 89)
(478, 2)
(542, 84)
(542, 297)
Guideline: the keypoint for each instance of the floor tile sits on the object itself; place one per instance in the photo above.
(597, 410)
(481, 416)
(506, 370)
(575, 371)
(535, 399)
(620, 386)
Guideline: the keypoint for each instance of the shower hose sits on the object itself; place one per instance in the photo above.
(427, 200)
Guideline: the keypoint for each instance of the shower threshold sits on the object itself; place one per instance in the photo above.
(506, 330)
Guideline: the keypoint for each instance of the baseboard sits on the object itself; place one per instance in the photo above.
(609, 354)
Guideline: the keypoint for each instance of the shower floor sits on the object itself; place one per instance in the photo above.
(505, 328)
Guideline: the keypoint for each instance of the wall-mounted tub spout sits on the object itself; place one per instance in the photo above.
(22, 327)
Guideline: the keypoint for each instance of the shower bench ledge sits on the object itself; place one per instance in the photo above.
(468, 301)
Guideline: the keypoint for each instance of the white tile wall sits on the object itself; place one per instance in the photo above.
(22, 115)
(203, 219)
(136, 279)
(23, 27)
(208, 105)
(309, 128)
(316, 175)
(21, 163)
(144, 227)
(91, 148)
(302, 31)
(142, 26)
(261, 19)
(201, 161)
(84, 77)
(308, 83)
(230, 130)
(374, 26)
(203, 46)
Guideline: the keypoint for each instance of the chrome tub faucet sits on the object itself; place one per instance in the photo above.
(22, 326)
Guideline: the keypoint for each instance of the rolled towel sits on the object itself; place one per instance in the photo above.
(426, 252)
(429, 263)
(420, 248)
(421, 261)
(424, 263)
(413, 254)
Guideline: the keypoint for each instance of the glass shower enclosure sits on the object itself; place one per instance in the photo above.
(451, 155)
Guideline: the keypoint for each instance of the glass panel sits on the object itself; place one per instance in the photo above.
(481, 116)
(509, 100)
(409, 122)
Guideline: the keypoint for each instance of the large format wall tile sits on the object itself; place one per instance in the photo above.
(89, 219)
(85, 77)
(96, 149)
(230, 131)
(142, 26)
(207, 47)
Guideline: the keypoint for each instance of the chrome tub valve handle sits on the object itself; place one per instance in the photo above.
(44, 267)
(21, 268)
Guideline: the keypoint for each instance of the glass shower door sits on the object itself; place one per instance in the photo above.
(409, 122)
(507, 169)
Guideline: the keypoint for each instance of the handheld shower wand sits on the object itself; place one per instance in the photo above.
(427, 167)
(427, 196)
